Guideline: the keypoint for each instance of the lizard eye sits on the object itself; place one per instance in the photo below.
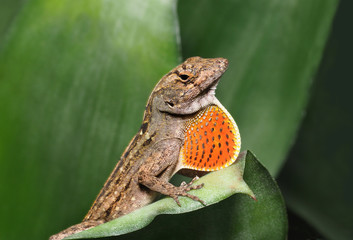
(184, 77)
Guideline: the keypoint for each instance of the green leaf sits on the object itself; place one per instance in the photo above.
(264, 218)
(218, 186)
(274, 48)
(74, 80)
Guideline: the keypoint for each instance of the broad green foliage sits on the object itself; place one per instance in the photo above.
(75, 77)
(317, 180)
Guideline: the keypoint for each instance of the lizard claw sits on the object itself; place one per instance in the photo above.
(176, 200)
(183, 184)
(184, 189)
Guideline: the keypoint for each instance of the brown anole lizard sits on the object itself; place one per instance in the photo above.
(184, 127)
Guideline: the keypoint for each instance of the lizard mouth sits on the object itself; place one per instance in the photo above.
(211, 89)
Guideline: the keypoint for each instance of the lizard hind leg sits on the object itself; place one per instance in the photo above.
(168, 189)
(76, 229)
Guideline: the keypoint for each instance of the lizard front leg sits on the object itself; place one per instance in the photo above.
(159, 168)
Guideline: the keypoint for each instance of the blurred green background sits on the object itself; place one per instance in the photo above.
(75, 76)
(316, 179)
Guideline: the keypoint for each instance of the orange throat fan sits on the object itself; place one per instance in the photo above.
(212, 140)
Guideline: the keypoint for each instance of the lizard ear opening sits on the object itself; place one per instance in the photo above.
(170, 104)
(211, 140)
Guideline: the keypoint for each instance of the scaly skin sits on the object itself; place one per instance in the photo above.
(152, 157)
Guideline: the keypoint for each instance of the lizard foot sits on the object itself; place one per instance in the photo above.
(184, 189)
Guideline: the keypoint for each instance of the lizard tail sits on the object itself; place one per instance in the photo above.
(76, 229)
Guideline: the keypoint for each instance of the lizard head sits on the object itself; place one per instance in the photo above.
(190, 86)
